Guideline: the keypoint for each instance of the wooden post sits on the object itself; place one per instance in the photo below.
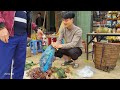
(56, 22)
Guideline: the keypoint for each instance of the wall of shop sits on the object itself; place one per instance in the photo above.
(83, 20)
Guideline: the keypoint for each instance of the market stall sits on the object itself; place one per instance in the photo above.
(109, 32)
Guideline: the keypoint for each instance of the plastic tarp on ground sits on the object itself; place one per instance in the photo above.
(47, 59)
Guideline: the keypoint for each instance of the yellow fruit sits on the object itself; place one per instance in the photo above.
(109, 30)
(105, 30)
(99, 29)
(118, 30)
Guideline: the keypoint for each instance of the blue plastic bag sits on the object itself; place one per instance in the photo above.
(47, 58)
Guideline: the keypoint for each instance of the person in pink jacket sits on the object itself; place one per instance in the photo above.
(15, 27)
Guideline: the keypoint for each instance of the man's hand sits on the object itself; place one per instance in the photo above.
(55, 45)
(59, 46)
(4, 35)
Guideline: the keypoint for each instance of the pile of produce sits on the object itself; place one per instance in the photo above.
(103, 30)
(52, 73)
(113, 39)
(29, 65)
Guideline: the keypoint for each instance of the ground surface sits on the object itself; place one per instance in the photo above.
(98, 74)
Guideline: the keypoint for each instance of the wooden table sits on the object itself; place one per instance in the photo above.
(95, 35)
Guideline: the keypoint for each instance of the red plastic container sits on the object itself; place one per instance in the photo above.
(51, 39)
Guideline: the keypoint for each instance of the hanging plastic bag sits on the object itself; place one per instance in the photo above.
(47, 58)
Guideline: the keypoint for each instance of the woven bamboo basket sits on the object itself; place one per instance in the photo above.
(106, 55)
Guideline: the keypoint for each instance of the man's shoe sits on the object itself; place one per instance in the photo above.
(67, 63)
(75, 65)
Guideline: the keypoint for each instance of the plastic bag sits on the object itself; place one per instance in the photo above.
(47, 58)
(86, 72)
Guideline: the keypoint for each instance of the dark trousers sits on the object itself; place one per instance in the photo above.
(14, 50)
(74, 53)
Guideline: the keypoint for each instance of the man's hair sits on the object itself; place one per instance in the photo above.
(68, 14)
(39, 13)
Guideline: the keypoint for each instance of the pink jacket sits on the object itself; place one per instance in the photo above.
(7, 17)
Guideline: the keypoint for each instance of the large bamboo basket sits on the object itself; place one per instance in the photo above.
(106, 55)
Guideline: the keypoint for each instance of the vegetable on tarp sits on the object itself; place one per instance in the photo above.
(29, 65)
(61, 73)
(47, 58)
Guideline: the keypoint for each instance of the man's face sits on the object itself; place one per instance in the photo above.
(38, 15)
(67, 22)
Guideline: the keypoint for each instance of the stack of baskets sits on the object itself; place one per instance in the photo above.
(106, 55)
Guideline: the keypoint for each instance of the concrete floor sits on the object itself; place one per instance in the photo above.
(99, 74)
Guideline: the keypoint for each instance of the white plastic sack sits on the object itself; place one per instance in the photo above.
(86, 72)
